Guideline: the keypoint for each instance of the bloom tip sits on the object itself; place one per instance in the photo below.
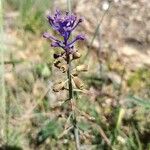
(45, 35)
(80, 37)
(80, 19)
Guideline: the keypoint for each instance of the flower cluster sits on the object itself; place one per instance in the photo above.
(64, 24)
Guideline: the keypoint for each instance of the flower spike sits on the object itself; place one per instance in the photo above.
(64, 24)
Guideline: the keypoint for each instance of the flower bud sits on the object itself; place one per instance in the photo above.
(78, 82)
(82, 68)
(76, 55)
(58, 86)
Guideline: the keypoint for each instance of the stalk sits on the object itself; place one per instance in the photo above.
(74, 120)
(73, 117)
(2, 81)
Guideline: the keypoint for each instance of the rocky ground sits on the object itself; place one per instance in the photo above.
(125, 27)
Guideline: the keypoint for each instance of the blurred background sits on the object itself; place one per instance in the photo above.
(114, 112)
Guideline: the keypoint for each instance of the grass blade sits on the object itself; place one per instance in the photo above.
(2, 81)
(142, 102)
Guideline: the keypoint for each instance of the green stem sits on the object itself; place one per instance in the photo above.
(96, 31)
(69, 78)
(69, 5)
(74, 120)
(2, 80)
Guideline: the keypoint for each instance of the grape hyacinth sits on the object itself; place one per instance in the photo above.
(64, 25)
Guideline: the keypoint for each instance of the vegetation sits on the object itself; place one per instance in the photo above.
(113, 110)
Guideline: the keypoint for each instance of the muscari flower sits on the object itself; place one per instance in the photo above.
(64, 24)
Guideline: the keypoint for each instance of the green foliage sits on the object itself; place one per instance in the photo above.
(15, 4)
(139, 79)
(133, 129)
(95, 81)
(89, 108)
(142, 102)
(84, 126)
(14, 138)
(51, 129)
(43, 70)
(32, 14)
(9, 147)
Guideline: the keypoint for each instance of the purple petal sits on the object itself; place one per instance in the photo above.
(64, 24)
(49, 17)
(55, 44)
(78, 37)
(79, 21)
(48, 36)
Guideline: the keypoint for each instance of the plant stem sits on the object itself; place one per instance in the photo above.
(74, 120)
(2, 80)
(97, 31)
(69, 5)
(69, 77)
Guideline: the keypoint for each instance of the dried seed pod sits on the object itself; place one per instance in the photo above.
(56, 56)
(58, 62)
(76, 55)
(82, 68)
(58, 86)
(65, 57)
(63, 68)
(74, 72)
(78, 82)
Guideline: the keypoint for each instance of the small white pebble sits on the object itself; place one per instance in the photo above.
(121, 139)
(65, 141)
(105, 5)
(116, 1)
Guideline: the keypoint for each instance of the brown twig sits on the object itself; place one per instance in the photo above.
(65, 132)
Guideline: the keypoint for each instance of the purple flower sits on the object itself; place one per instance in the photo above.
(64, 24)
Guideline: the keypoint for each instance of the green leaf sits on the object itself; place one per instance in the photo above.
(51, 129)
(142, 102)
(43, 70)
(84, 126)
